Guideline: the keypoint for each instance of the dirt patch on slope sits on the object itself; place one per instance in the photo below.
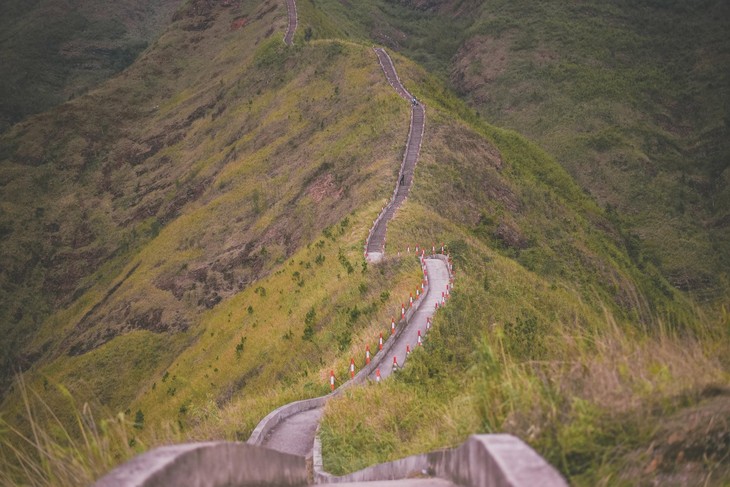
(324, 187)
(483, 59)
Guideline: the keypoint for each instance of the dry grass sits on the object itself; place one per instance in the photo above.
(55, 453)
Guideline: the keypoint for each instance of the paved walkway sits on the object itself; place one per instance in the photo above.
(438, 278)
(295, 434)
(376, 239)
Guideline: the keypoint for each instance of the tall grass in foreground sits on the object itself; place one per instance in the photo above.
(44, 451)
(591, 394)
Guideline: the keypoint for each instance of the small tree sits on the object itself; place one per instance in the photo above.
(139, 419)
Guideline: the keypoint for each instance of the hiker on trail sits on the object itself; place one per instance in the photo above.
(402, 179)
(415, 102)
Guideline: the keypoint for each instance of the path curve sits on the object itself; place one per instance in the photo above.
(375, 245)
(291, 9)
(438, 280)
(295, 431)
(295, 434)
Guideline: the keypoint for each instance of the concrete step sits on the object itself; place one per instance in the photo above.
(415, 482)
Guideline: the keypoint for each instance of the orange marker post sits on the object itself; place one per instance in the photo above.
(367, 354)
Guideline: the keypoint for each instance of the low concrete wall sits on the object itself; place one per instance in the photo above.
(279, 414)
(497, 460)
(213, 464)
(482, 461)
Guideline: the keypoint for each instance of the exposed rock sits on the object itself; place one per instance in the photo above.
(510, 235)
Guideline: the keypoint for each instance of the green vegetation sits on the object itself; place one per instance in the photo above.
(58, 52)
(182, 246)
(628, 96)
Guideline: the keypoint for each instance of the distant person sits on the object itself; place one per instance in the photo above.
(402, 179)
(415, 102)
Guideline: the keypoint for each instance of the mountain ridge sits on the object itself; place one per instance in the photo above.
(232, 181)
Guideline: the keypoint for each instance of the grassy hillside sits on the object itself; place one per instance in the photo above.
(137, 231)
(553, 333)
(631, 98)
(183, 245)
(256, 165)
(58, 49)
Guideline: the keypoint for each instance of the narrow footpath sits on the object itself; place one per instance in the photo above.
(292, 428)
(296, 433)
(376, 240)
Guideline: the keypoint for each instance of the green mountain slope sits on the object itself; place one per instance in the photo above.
(270, 155)
(183, 244)
(631, 98)
(54, 50)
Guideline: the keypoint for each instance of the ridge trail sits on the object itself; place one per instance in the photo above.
(289, 432)
(375, 247)
(296, 430)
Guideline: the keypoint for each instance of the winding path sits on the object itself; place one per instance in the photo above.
(295, 425)
(296, 433)
(438, 280)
